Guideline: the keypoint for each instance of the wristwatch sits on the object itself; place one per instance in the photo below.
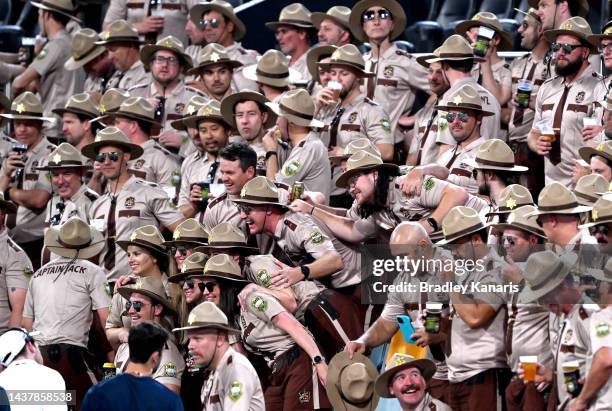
(317, 359)
(433, 223)
(306, 271)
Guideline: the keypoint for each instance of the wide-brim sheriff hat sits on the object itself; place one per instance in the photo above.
(209, 111)
(135, 108)
(189, 231)
(297, 107)
(466, 98)
(82, 104)
(583, 6)
(210, 55)
(316, 54)
(494, 154)
(602, 150)
(193, 266)
(399, 362)
(224, 267)
(601, 212)
(350, 57)
(545, 271)
(119, 31)
(260, 191)
(147, 237)
(460, 222)
(26, 106)
(555, 198)
(574, 26)
(151, 287)
(168, 43)
(191, 109)
(109, 103)
(531, 12)
(64, 156)
(350, 383)
(422, 60)
(359, 144)
(338, 14)
(222, 7)
(396, 10)
(226, 236)
(295, 15)
(75, 239)
(207, 315)
(111, 136)
(590, 188)
(84, 49)
(454, 48)
(272, 69)
(64, 7)
(606, 33)
(522, 219)
(489, 20)
(512, 197)
(228, 105)
(364, 161)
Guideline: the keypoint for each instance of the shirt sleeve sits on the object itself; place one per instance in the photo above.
(600, 332)
(185, 187)
(18, 270)
(378, 125)
(313, 240)
(240, 386)
(367, 226)
(47, 60)
(431, 192)
(100, 292)
(264, 306)
(160, 206)
(170, 368)
(116, 10)
(28, 307)
(114, 315)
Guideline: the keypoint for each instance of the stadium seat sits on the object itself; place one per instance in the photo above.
(511, 26)
(10, 39)
(453, 11)
(5, 11)
(425, 36)
(405, 45)
(503, 9)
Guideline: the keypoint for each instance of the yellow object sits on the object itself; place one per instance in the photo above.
(399, 345)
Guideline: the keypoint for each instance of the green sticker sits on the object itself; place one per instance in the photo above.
(259, 304)
(234, 391)
(263, 277)
(385, 125)
(316, 237)
(169, 370)
(292, 168)
(602, 329)
(429, 184)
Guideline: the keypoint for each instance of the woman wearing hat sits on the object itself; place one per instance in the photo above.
(186, 237)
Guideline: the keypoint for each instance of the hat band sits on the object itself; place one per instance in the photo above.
(559, 207)
(452, 55)
(544, 279)
(526, 227)
(119, 38)
(206, 324)
(260, 198)
(295, 21)
(227, 244)
(26, 113)
(494, 163)
(346, 62)
(66, 163)
(470, 106)
(271, 75)
(86, 53)
(187, 238)
(223, 60)
(229, 276)
(56, 7)
(468, 230)
(585, 196)
(295, 113)
(504, 208)
(73, 246)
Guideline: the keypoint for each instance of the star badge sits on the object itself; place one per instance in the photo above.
(458, 100)
(191, 109)
(207, 111)
(594, 215)
(184, 269)
(176, 235)
(336, 55)
(138, 283)
(21, 108)
(215, 57)
(106, 35)
(167, 43)
(601, 147)
(511, 203)
(75, 55)
(102, 109)
(133, 236)
(399, 361)
(57, 158)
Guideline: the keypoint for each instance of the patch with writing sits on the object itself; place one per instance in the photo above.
(388, 72)
(292, 168)
(130, 202)
(234, 391)
(259, 304)
(316, 237)
(602, 329)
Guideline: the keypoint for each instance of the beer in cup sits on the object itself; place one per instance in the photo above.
(546, 131)
(530, 367)
(523, 92)
(590, 121)
(485, 35)
(336, 88)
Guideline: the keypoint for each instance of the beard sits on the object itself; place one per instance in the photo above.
(572, 67)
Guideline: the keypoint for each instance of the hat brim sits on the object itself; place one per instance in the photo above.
(229, 62)
(95, 247)
(317, 18)
(455, 57)
(531, 230)
(192, 121)
(349, 65)
(422, 60)
(275, 107)
(587, 152)
(313, 57)
(603, 220)
(342, 181)
(177, 278)
(334, 370)
(196, 12)
(595, 39)
(272, 25)
(427, 368)
(551, 36)
(61, 111)
(71, 64)
(463, 233)
(244, 249)
(250, 72)
(229, 102)
(124, 244)
(90, 150)
(399, 17)
(26, 117)
(505, 42)
(49, 168)
(127, 291)
(131, 116)
(529, 295)
(147, 51)
(479, 166)
(573, 210)
(460, 107)
(192, 242)
(118, 39)
(262, 203)
(62, 12)
(209, 325)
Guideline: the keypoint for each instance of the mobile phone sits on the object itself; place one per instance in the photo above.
(205, 190)
(405, 325)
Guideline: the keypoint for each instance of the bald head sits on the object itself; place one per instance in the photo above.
(409, 232)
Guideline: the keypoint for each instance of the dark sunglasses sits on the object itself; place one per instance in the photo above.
(601, 229)
(182, 250)
(112, 156)
(214, 23)
(136, 304)
(370, 15)
(567, 48)
(510, 240)
(463, 117)
(245, 208)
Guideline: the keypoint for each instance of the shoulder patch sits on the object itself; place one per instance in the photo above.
(316, 237)
(91, 195)
(259, 304)
(429, 184)
(234, 391)
(217, 200)
(602, 329)
(263, 277)
(292, 226)
(169, 370)
(27, 272)
(291, 168)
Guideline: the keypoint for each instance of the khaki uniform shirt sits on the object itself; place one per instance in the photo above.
(30, 224)
(195, 169)
(521, 68)
(223, 210)
(139, 203)
(490, 126)
(156, 164)
(171, 363)
(6, 145)
(61, 298)
(460, 171)
(247, 58)
(424, 120)
(501, 73)
(300, 239)
(600, 336)
(15, 272)
(584, 93)
(233, 385)
(399, 77)
(175, 13)
(308, 162)
(133, 76)
(96, 84)
(56, 83)
(301, 66)
(487, 345)
(78, 206)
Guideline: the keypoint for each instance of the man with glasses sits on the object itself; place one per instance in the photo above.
(146, 300)
(397, 75)
(129, 202)
(123, 45)
(603, 42)
(564, 102)
(167, 62)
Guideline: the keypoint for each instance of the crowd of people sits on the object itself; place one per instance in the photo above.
(188, 224)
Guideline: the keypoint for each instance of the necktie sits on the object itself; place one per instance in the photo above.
(434, 113)
(160, 112)
(517, 119)
(111, 232)
(452, 160)
(333, 128)
(151, 38)
(212, 171)
(555, 151)
(372, 81)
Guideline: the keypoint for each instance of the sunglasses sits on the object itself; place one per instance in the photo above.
(136, 304)
(370, 15)
(112, 156)
(243, 208)
(182, 250)
(567, 48)
(214, 23)
(161, 60)
(601, 229)
(463, 117)
(510, 240)
(353, 179)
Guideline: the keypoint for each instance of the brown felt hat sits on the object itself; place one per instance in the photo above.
(210, 55)
(338, 14)
(294, 14)
(84, 49)
(222, 7)
(168, 43)
(66, 8)
(272, 69)
(82, 104)
(207, 315)
(229, 103)
(574, 26)
(119, 31)
(111, 136)
(489, 20)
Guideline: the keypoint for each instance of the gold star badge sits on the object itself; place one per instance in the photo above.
(75, 55)
(176, 235)
(567, 26)
(138, 283)
(167, 43)
(215, 57)
(184, 269)
(511, 203)
(106, 35)
(57, 158)
(133, 236)
(243, 192)
(458, 100)
(336, 55)
(594, 215)
(399, 360)
(608, 30)
(191, 109)
(207, 111)
(21, 108)
(601, 147)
